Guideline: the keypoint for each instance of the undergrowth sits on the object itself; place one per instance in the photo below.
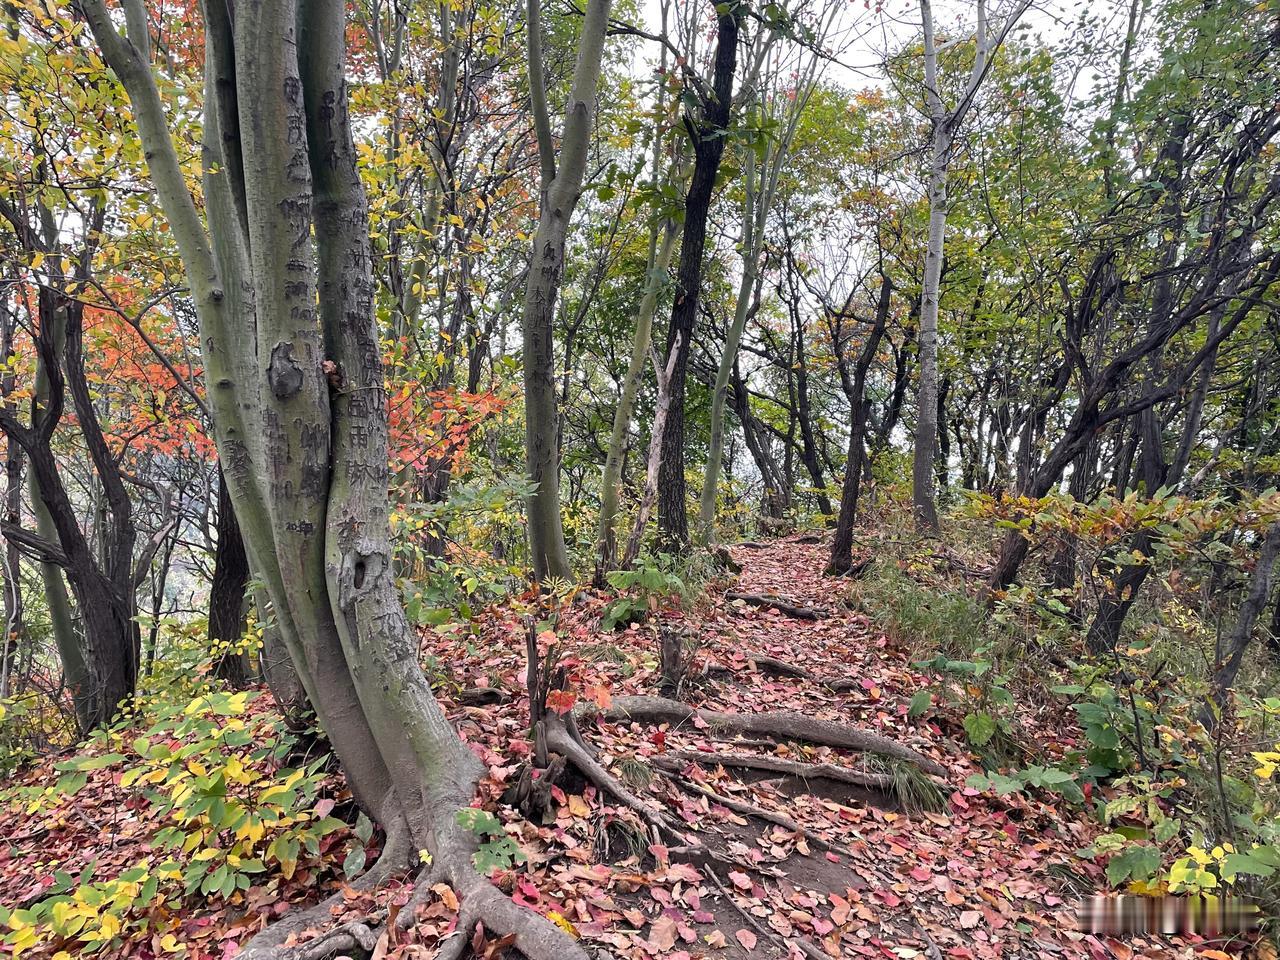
(1185, 793)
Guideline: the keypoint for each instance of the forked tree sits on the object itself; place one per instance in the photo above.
(944, 123)
(280, 272)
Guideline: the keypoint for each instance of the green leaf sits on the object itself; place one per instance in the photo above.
(980, 728)
(354, 861)
(1137, 863)
(1267, 854)
(100, 762)
(363, 828)
(1236, 863)
(1103, 737)
(921, 702)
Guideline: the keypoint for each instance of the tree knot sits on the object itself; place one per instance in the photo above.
(362, 567)
(284, 374)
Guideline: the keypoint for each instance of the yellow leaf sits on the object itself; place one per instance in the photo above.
(563, 924)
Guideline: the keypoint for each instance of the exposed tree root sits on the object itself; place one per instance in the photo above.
(771, 601)
(792, 768)
(769, 665)
(751, 809)
(535, 937)
(931, 945)
(269, 944)
(434, 828)
(849, 568)
(752, 545)
(725, 560)
(562, 742)
(781, 668)
(777, 819)
(779, 725)
(482, 696)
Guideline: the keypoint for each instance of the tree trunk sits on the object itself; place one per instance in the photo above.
(654, 462)
(733, 337)
(102, 671)
(226, 595)
(13, 609)
(283, 287)
(926, 435)
(1259, 590)
(708, 134)
(841, 561)
(660, 252)
(560, 189)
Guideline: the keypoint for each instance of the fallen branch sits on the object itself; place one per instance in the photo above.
(769, 601)
(777, 724)
(768, 933)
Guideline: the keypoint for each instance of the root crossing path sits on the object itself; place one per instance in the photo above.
(727, 780)
(771, 800)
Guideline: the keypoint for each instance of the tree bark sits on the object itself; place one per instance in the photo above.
(708, 134)
(660, 252)
(1241, 635)
(561, 185)
(841, 561)
(227, 594)
(926, 434)
(283, 287)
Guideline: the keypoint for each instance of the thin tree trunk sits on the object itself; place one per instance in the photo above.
(654, 461)
(841, 560)
(926, 435)
(561, 185)
(13, 608)
(708, 134)
(660, 253)
(1241, 635)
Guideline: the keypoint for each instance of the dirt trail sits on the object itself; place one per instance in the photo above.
(761, 861)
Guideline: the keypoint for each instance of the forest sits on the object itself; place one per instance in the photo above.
(640, 479)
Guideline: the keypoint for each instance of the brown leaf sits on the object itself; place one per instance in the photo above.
(663, 935)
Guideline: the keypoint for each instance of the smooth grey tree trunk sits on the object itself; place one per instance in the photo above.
(926, 435)
(944, 123)
(561, 184)
(283, 287)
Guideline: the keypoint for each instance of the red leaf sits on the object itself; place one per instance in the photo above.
(746, 938)
(561, 701)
